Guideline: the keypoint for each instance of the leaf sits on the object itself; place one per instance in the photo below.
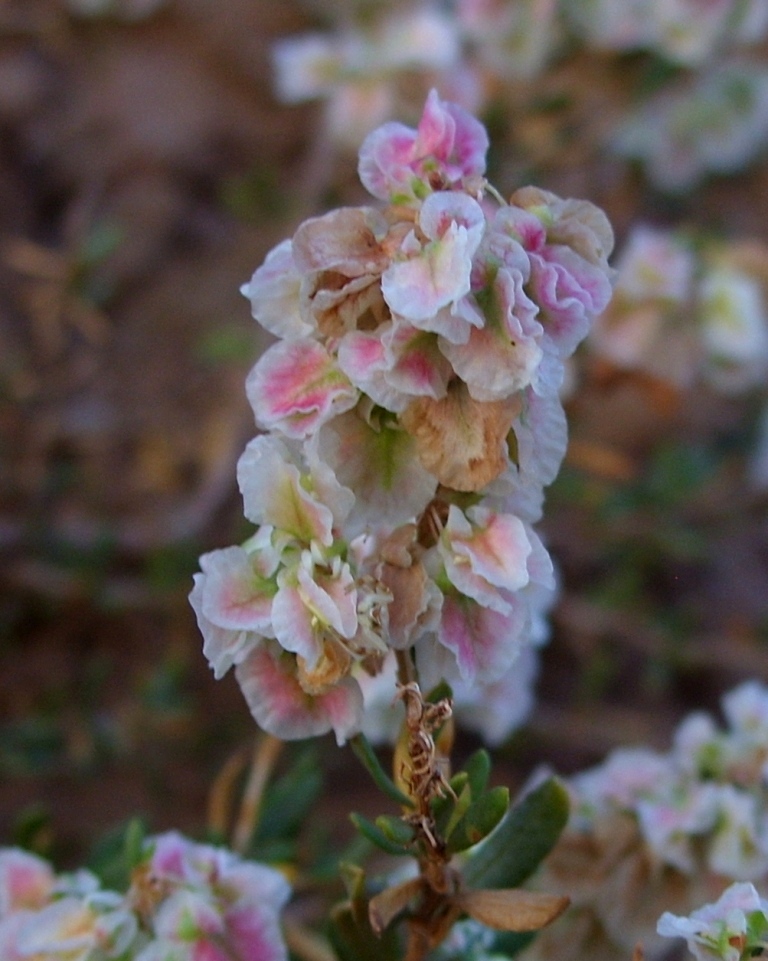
(460, 808)
(376, 836)
(354, 940)
(524, 837)
(395, 828)
(367, 757)
(512, 909)
(385, 906)
(480, 819)
(478, 769)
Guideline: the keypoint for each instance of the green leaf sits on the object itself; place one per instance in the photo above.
(481, 818)
(525, 836)
(353, 939)
(367, 757)
(395, 828)
(288, 801)
(478, 769)
(460, 808)
(376, 836)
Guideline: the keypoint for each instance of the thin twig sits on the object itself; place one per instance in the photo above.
(265, 757)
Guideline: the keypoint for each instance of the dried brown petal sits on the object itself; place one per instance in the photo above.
(460, 440)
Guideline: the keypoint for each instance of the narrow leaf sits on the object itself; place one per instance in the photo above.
(460, 808)
(376, 836)
(367, 757)
(395, 828)
(525, 836)
(384, 907)
(480, 819)
(512, 910)
(478, 769)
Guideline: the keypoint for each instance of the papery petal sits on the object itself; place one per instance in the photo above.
(459, 440)
(346, 240)
(273, 493)
(234, 594)
(296, 386)
(438, 276)
(385, 155)
(484, 642)
(364, 359)
(222, 647)
(381, 466)
(26, 880)
(415, 364)
(274, 290)
(280, 705)
(453, 136)
(483, 551)
(254, 933)
(441, 211)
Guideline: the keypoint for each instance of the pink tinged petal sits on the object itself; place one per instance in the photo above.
(253, 931)
(221, 646)
(416, 288)
(274, 293)
(274, 494)
(486, 560)
(453, 136)
(293, 624)
(571, 291)
(296, 386)
(25, 880)
(541, 433)
(497, 546)
(440, 211)
(363, 359)
(496, 362)
(483, 641)
(280, 706)
(234, 595)
(416, 365)
(385, 156)
(330, 598)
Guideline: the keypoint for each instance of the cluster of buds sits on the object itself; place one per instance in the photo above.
(411, 420)
(187, 901)
(688, 310)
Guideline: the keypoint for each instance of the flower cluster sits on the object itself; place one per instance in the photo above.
(187, 902)
(703, 805)
(715, 121)
(734, 927)
(686, 309)
(654, 831)
(687, 32)
(411, 421)
(708, 117)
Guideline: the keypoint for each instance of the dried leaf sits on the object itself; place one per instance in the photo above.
(512, 909)
(384, 907)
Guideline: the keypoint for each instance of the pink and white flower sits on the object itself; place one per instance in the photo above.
(400, 164)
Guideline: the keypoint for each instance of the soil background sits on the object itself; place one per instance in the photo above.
(145, 170)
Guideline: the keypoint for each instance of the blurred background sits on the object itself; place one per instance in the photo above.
(152, 152)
